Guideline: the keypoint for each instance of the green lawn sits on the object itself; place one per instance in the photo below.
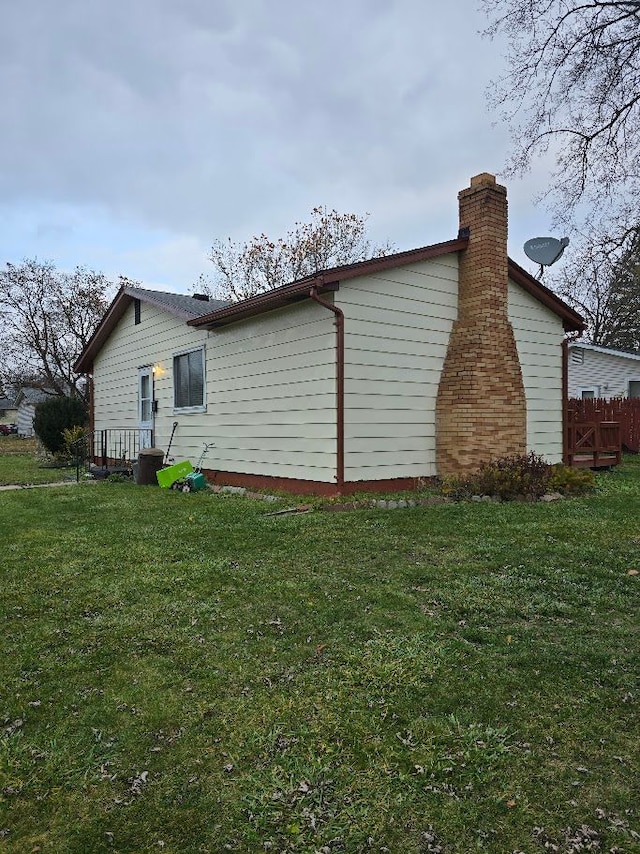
(19, 464)
(184, 673)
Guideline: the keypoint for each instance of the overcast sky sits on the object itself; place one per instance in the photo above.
(134, 133)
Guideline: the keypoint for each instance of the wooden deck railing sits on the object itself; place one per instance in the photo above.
(593, 445)
(625, 411)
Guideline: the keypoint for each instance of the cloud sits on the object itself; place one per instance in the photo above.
(175, 123)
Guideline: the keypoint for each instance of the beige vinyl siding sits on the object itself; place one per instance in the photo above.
(397, 326)
(272, 396)
(132, 346)
(539, 334)
(606, 372)
(270, 390)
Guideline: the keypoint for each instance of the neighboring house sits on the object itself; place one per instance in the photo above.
(596, 371)
(26, 402)
(8, 411)
(371, 375)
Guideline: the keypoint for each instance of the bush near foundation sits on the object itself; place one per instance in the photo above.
(570, 481)
(518, 476)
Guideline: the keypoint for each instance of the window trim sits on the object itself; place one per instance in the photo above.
(629, 381)
(202, 407)
(592, 388)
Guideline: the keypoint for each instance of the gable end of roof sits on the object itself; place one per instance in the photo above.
(181, 306)
(571, 320)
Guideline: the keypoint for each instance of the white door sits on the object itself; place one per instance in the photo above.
(145, 407)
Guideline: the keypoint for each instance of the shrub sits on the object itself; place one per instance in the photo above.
(54, 416)
(519, 476)
(570, 481)
(74, 446)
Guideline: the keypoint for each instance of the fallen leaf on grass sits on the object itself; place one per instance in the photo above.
(633, 572)
(13, 726)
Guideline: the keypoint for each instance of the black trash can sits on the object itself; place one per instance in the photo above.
(149, 462)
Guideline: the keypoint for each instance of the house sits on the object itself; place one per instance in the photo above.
(8, 412)
(596, 371)
(366, 376)
(26, 401)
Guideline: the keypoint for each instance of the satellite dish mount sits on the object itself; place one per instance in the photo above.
(545, 251)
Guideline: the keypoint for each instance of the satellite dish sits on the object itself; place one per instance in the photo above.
(545, 250)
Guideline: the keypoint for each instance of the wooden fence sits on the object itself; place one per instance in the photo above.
(593, 445)
(622, 411)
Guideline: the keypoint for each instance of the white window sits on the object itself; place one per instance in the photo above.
(188, 380)
(634, 388)
(591, 391)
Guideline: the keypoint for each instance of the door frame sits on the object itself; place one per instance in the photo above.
(146, 406)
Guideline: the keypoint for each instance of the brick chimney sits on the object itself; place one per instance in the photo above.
(481, 404)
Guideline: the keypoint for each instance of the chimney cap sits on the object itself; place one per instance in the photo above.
(483, 179)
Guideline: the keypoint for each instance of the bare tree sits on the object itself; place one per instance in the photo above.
(602, 282)
(46, 319)
(572, 90)
(330, 239)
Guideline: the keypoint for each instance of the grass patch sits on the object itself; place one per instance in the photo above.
(20, 466)
(185, 673)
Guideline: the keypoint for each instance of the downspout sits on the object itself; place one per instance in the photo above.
(91, 405)
(339, 324)
(565, 395)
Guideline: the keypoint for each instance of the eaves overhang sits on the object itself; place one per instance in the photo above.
(571, 320)
(115, 312)
(324, 281)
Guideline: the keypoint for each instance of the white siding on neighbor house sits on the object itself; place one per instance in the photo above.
(153, 341)
(607, 373)
(9, 415)
(24, 419)
(271, 394)
(539, 334)
(397, 326)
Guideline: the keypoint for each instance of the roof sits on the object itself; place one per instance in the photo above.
(609, 351)
(182, 306)
(31, 395)
(329, 280)
(323, 280)
(571, 320)
(216, 313)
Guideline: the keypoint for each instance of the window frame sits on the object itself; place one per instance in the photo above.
(594, 389)
(629, 381)
(200, 407)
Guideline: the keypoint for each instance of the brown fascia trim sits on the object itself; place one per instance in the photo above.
(84, 362)
(115, 312)
(324, 281)
(571, 320)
